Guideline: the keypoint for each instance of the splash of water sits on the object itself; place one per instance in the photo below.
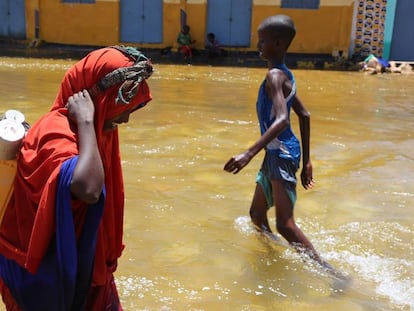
(358, 247)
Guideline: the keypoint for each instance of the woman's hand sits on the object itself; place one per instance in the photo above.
(80, 107)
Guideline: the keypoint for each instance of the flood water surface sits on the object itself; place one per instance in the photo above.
(189, 241)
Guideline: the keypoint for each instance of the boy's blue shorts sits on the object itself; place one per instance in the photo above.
(276, 168)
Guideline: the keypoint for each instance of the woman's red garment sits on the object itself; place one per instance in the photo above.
(29, 221)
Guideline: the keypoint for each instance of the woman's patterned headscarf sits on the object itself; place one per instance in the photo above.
(135, 74)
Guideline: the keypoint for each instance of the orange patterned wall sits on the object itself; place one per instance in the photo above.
(370, 27)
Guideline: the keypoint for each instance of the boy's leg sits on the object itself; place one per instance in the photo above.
(287, 227)
(258, 210)
(285, 222)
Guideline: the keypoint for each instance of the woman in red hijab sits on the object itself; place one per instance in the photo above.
(61, 234)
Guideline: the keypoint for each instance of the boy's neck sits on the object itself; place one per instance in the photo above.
(276, 62)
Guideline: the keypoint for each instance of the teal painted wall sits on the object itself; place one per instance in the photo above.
(389, 27)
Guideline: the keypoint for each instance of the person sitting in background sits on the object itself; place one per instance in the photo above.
(213, 47)
(185, 43)
(373, 65)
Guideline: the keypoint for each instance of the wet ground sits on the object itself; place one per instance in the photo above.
(189, 242)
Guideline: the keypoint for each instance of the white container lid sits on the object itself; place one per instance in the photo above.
(14, 115)
(11, 131)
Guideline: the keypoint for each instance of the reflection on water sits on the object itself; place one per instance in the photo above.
(189, 241)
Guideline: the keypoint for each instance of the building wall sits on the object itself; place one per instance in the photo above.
(31, 7)
(90, 24)
(369, 27)
(402, 37)
(318, 31)
(93, 24)
(171, 22)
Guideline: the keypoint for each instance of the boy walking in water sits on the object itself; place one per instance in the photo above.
(276, 180)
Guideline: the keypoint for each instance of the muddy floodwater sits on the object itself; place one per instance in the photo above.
(189, 241)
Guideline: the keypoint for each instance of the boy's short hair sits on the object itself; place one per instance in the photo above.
(281, 25)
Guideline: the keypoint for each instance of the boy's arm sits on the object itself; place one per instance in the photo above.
(304, 126)
(275, 80)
